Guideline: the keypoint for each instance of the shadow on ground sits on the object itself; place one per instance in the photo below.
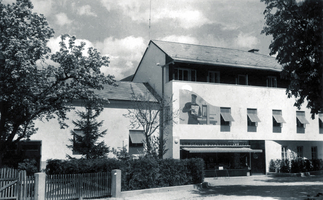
(277, 192)
(275, 187)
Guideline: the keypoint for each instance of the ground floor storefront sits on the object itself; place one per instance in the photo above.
(227, 157)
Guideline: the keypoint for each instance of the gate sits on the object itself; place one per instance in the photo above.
(14, 184)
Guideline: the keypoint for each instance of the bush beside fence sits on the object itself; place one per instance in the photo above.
(137, 174)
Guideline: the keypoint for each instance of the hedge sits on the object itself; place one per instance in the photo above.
(137, 174)
(296, 165)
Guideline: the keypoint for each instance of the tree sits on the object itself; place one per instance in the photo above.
(151, 115)
(29, 91)
(86, 142)
(297, 30)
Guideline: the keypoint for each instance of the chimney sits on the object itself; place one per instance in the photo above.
(253, 50)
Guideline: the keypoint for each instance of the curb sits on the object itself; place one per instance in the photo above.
(131, 193)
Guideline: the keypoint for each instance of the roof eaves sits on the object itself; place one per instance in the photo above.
(226, 64)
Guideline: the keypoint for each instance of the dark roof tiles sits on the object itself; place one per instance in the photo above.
(217, 55)
(122, 91)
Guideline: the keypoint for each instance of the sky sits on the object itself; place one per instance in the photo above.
(122, 29)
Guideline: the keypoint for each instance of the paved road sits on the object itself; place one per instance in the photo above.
(250, 188)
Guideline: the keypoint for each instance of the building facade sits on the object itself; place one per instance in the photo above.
(232, 107)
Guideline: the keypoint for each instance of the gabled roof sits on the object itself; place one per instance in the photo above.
(181, 52)
(123, 91)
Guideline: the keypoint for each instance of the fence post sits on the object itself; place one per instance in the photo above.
(116, 183)
(40, 184)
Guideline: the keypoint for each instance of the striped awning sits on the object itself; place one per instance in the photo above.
(223, 150)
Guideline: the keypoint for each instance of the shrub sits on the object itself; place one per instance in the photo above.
(284, 166)
(317, 164)
(29, 165)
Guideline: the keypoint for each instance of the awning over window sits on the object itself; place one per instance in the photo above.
(253, 117)
(279, 119)
(223, 150)
(136, 137)
(302, 119)
(227, 117)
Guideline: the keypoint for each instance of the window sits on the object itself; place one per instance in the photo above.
(301, 121)
(271, 81)
(321, 122)
(278, 121)
(300, 151)
(226, 119)
(314, 152)
(185, 74)
(213, 77)
(77, 138)
(252, 120)
(136, 141)
(284, 153)
(242, 79)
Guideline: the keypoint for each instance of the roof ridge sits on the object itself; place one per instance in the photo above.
(201, 45)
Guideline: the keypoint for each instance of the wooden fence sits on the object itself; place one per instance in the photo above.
(71, 186)
(14, 184)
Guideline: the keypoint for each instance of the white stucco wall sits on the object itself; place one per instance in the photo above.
(54, 139)
(150, 70)
(239, 98)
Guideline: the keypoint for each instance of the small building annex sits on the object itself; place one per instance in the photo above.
(233, 110)
(53, 141)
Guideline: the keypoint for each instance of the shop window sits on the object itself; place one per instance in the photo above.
(300, 151)
(185, 74)
(252, 120)
(271, 81)
(77, 136)
(213, 77)
(320, 122)
(242, 79)
(301, 121)
(314, 152)
(284, 153)
(278, 121)
(226, 119)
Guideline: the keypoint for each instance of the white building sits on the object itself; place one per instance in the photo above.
(232, 104)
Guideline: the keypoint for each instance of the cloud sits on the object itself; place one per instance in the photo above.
(44, 7)
(186, 18)
(86, 10)
(62, 19)
(246, 40)
(180, 39)
(124, 54)
(182, 13)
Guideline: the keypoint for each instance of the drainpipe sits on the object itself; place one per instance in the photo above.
(161, 130)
